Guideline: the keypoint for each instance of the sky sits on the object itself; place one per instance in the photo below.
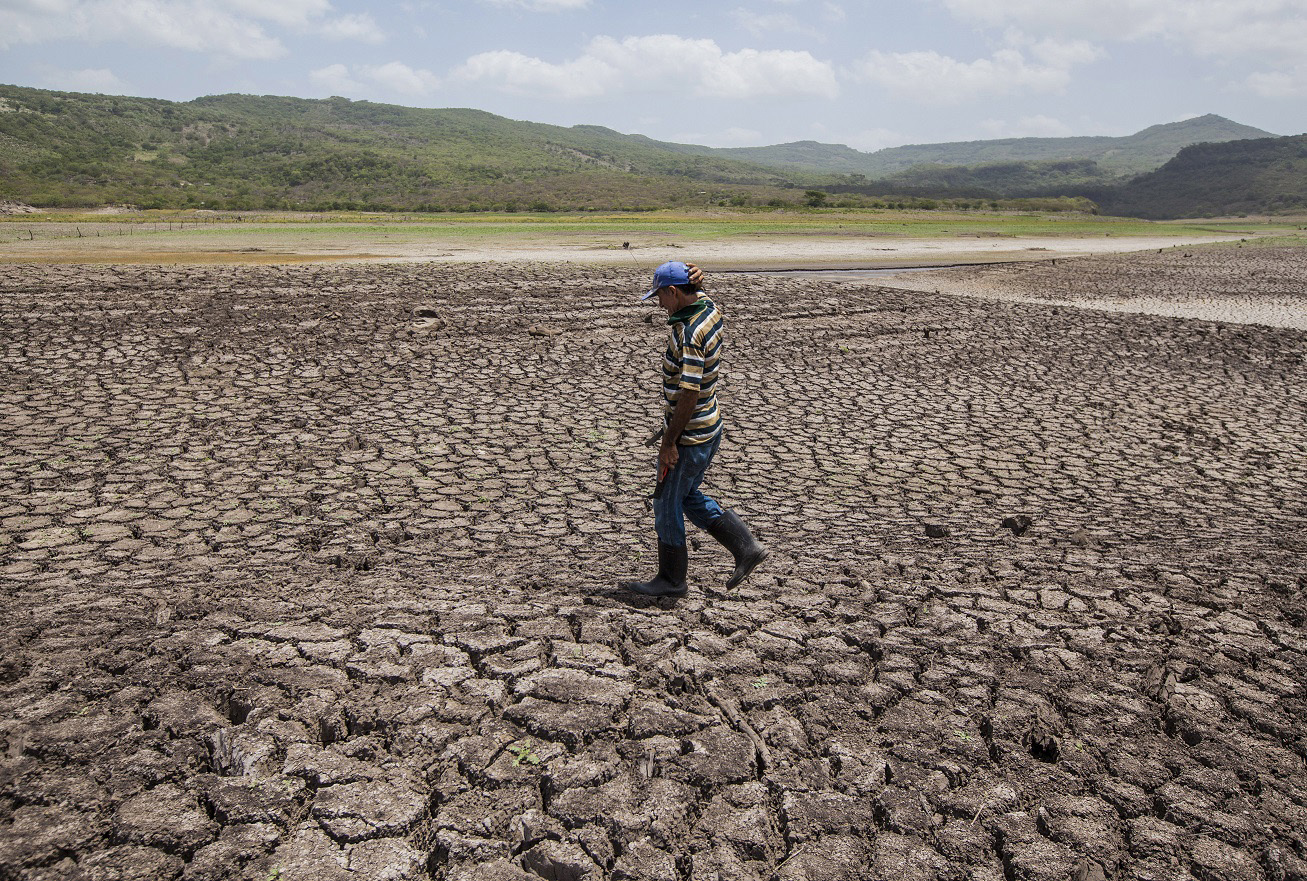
(744, 73)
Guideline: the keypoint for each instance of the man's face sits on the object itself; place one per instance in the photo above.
(667, 299)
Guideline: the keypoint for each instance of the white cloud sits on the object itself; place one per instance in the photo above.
(358, 28)
(335, 79)
(730, 137)
(940, 79)
(1208, 27)
(520, 74)
(659, 63)
(1057, 53)
(284, 12)
(759, 23)
(1269, 33)
(832, 12)
(1291, 83)
(395, 77)
(541, 5)
(399, 77)
(100, 80)
(871, 140)
(1038, 126)
(235, 28)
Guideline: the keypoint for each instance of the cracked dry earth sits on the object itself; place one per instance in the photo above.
(297, 586)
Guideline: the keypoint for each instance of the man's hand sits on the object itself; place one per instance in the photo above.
(696, 275)
(668, 456)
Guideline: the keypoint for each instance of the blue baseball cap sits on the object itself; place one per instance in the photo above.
(670, 273)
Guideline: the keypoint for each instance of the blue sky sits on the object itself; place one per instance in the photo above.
(749, 72)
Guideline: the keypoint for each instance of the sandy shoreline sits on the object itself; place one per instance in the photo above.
(1267, 291)
(760, 252)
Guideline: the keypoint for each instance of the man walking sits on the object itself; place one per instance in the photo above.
(692, 431)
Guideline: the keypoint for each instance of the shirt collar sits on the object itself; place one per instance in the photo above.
(690, 311)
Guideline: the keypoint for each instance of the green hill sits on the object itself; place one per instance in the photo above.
(63, 149)
(243, 151)
(1142, 151)
(1263, 176)
(994, 180)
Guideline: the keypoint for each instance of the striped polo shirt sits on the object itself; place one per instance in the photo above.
(690, 367)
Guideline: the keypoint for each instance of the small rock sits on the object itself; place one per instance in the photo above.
(935, 530)
(1082, 539)
(543, 330)
(429, 318)
(1018, 523)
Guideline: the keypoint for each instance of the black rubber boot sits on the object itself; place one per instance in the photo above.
(733, 535)
(670, 580)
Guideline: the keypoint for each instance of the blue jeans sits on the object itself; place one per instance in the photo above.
(680, 496)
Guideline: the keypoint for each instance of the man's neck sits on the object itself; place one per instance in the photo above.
(682, 300)
(691, 308)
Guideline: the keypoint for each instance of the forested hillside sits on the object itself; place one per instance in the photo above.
(241, 151)
(1267, 175)
(993, 180)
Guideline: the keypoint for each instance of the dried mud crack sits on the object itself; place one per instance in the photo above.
(301, 583)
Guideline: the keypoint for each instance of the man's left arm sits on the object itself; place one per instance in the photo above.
(686, 403)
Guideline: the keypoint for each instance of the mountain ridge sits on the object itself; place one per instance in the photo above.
(1128, 154)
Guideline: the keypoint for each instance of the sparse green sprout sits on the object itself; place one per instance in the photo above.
(760, 682)
(522, 753)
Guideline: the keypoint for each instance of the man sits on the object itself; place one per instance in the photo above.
(692, 431)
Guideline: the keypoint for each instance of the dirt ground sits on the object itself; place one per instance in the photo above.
(299, 585)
